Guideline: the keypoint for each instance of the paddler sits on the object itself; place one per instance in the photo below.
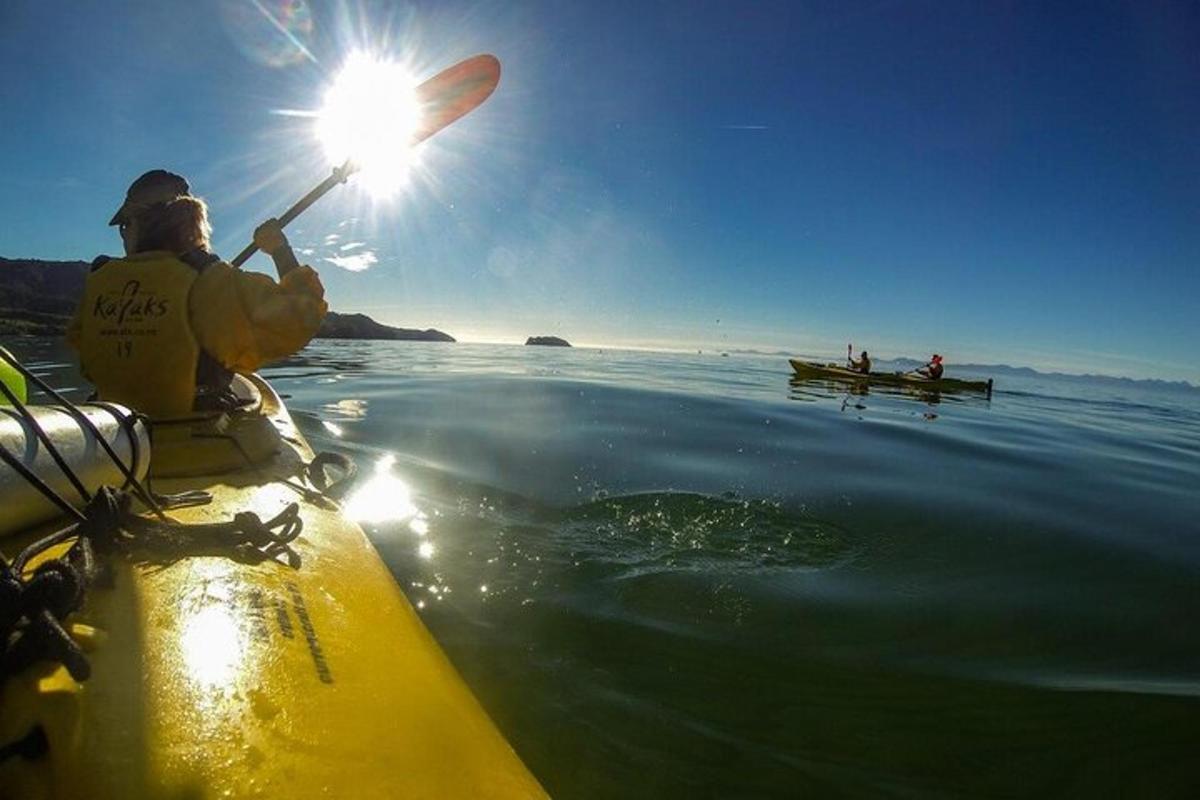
(863, 364)
(164, 329)
(933, 370)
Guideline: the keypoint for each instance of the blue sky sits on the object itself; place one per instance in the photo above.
(1014, 182)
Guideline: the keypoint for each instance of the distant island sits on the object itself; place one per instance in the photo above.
(547, 341)
(38, 298)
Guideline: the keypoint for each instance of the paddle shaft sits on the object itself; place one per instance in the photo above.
(339, 175)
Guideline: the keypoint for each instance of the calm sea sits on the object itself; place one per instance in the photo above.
(672, 575)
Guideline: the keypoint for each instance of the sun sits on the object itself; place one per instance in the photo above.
(369, 116)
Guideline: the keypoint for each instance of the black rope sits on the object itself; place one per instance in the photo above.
(246, 536)
(33, 607)
(127, 421)
(32, 746)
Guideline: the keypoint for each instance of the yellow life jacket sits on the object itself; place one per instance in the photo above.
(136, 342)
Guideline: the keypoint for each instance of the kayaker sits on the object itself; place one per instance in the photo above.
(863, 364)
(933, 370)
(163, 329)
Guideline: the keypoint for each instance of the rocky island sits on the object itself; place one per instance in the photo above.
(38, 298)
(547, 341)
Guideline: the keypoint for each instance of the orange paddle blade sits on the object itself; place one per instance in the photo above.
(454, 92)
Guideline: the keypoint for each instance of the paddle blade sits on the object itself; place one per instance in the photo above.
(454, 93)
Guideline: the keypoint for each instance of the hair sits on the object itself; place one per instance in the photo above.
(180, 226)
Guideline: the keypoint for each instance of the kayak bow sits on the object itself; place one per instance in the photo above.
(214, 675)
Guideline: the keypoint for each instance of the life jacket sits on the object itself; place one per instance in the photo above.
(136, 342)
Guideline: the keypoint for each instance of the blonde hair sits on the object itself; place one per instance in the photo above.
(180, 226)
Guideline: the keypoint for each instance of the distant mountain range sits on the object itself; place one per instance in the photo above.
(38, 298)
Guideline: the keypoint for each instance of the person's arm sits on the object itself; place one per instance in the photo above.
(269, 238)
(245, 319)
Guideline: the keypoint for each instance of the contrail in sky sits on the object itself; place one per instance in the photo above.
(746, 127)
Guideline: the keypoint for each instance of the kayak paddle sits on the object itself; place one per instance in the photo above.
(444, 98)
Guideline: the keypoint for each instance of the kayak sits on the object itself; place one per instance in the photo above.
(217, 675)
(814, 369)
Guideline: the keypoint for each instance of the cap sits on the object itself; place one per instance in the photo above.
(936, 359)
(156, 186)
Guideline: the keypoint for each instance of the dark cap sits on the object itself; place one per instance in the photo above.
(156, 186)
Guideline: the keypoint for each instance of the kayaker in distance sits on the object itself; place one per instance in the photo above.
(933, 370)
(164, 329)
(863, 364)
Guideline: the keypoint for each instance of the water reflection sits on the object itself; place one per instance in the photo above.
(348, 408)
(386, 498)
(851, 396)
(814, 389)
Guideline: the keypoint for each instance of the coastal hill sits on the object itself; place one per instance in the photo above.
(360, 326)
(38, 298)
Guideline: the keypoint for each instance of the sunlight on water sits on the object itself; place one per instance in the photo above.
(384, 497)
(387, 498)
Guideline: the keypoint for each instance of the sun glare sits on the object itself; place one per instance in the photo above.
(369, 116)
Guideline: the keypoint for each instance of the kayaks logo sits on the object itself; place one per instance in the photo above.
(131, 305)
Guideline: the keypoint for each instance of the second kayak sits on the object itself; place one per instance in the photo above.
(815, 369)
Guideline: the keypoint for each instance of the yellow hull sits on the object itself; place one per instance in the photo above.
(218, 679)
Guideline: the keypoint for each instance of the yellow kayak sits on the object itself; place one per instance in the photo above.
(838, 372)
(217, 677)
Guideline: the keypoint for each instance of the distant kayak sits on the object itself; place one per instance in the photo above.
(814, 369)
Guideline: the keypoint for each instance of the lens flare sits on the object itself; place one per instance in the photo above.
(369, 116)
(276, 33)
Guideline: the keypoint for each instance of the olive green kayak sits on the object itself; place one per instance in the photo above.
(813, 369)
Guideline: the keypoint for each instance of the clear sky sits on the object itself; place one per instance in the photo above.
(1004, 181)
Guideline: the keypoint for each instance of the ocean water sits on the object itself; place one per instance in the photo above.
(677, 575)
